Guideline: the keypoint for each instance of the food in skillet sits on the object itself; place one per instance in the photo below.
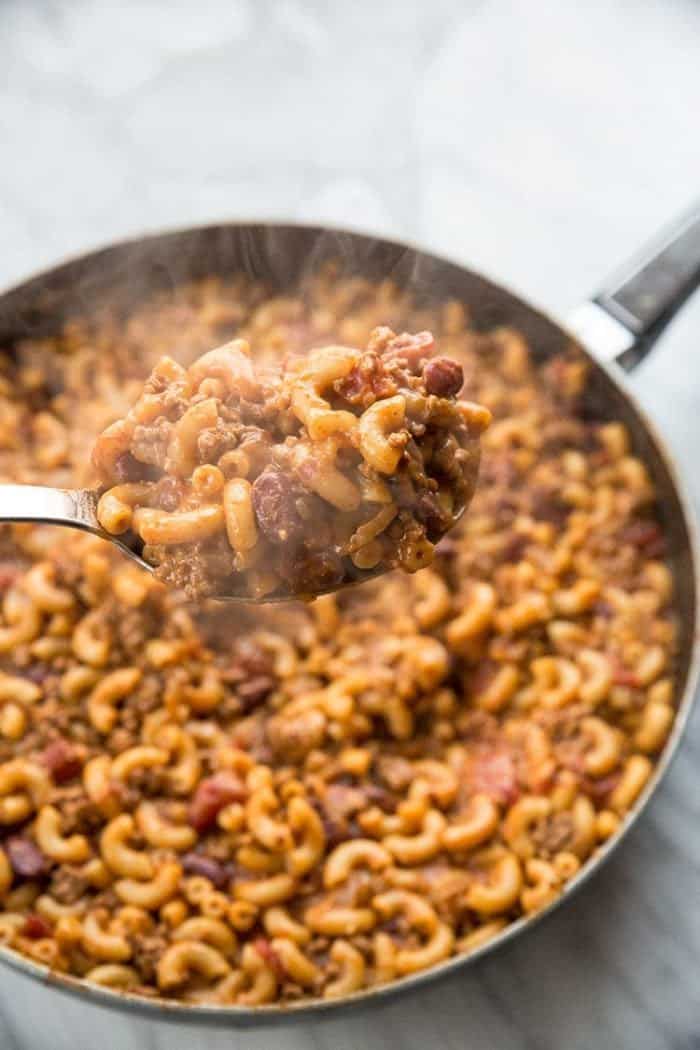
(268, 482)
(268, 804)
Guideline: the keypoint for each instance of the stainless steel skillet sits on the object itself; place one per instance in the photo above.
(616, 329)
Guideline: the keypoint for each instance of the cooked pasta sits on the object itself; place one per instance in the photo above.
(259, 805)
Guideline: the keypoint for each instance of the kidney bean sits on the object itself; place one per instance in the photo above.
(62, 760)
(198, 864)
(255, 691)
(274, 505)
(26, 859)
(35, 927)
(443, 376)
(646, 536)
(211, 796)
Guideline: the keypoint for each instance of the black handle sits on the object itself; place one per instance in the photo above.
(645, 295)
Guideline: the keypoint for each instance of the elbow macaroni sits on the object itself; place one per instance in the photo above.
(311, 800)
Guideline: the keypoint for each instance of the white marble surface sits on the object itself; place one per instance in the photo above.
(541, 142)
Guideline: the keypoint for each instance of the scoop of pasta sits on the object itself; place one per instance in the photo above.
(289, 482)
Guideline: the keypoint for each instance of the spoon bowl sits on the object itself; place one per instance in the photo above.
(77, 509)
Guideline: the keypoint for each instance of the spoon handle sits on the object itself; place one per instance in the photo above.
(74, 507)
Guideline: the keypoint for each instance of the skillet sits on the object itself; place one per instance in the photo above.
(615, 330)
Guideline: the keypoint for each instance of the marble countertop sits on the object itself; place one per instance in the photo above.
(540, 142)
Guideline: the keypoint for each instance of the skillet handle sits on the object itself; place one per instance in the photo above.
(625, 318)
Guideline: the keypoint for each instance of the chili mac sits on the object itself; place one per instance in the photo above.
(252, 805)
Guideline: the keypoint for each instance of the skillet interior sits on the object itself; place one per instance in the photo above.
(125, 273)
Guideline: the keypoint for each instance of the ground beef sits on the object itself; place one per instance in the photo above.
(394, 771)
(63, 760)
(366, 382)
(147, 951)
(293, 737)
(215, 441)
(67, 885)
(149, 444)
(313, 572)
(340, 801)
(148, 781)
(429, 511)
(411, 350)
(80, 814)
(554, 834)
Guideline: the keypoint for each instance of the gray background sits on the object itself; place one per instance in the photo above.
(542, 142)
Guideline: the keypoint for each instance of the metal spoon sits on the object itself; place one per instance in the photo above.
(77, 509)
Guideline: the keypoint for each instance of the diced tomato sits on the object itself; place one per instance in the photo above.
(624, 676)
(270, 957)
(211, 796)
(9, 572)
(35, 927)
(493, 773)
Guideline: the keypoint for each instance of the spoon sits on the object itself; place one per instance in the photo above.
(77, 509)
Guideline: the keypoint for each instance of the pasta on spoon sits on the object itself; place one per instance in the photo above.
(248, 481)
